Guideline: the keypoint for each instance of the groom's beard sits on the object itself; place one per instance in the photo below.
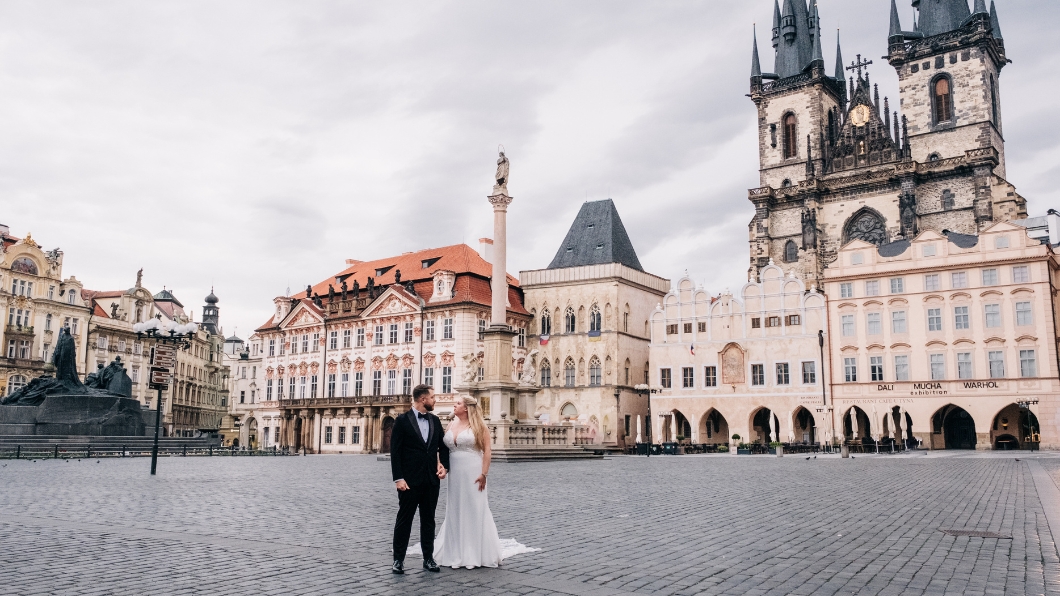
(428, 407)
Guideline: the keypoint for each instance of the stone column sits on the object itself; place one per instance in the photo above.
(316, 431)
(499, 283)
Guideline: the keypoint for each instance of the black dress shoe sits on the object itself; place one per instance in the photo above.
(431, 566)
(399, 567)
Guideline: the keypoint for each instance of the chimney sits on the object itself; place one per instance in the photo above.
(485, 249)
(353, 262)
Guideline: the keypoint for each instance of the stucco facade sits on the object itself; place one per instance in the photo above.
(947, 335)
(605, 351)
(747, 364)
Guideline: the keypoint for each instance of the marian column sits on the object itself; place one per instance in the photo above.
(500, 201)
(497, 387)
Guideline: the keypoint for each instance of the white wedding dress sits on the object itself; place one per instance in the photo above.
(468, 537)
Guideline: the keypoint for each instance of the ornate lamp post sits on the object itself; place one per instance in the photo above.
(644, 389)
(168, 336)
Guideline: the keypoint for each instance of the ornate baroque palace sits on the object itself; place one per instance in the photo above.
(341, 359)
(941, 309)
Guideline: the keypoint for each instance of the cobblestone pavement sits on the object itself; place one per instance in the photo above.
(660, 526)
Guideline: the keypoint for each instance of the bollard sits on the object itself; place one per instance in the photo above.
(123, 450)
(844, 451)
(56, 456)
(18, 452)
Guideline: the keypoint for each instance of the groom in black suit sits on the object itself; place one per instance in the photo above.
(419, 460)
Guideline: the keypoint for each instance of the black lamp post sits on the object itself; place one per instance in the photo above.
(166, 333)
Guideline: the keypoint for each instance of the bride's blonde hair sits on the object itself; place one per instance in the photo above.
(477, 423)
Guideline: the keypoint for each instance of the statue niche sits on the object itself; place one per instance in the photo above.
(866, 225)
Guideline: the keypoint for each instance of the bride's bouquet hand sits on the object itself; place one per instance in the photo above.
(481, 482)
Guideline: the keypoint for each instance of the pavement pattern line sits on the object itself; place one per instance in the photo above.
(666, 526)
(1049, 495)
(337, 554)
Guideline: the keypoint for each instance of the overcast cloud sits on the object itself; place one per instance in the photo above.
(256, 145)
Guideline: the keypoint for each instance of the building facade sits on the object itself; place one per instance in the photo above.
(746, 365)
(341, 359)
(837, 164)
(198, 396)
(591, 308)
(251, 422)
(947, 340)
(37, 302)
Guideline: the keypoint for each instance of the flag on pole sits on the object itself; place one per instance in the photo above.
(692, 349)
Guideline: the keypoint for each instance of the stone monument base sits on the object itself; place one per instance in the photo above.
(85, 415)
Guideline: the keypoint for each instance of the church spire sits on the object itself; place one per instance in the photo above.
(756, 66)
(776, 23)
(896, 23)
(942, 16)
(839, 70)
(994, 24)
(980, 7)
(818, 55)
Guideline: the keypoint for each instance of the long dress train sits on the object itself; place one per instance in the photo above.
(468, 537)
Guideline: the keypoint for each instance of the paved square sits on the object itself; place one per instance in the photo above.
(660, 526)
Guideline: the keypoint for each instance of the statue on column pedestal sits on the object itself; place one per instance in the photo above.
(501, 187)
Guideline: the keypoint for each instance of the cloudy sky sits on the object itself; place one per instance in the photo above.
(256, 145)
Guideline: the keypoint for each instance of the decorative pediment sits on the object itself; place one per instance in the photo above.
(390, 303)
(864, 136)
(301, 316)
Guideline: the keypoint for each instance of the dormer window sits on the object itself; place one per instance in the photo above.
(600, 246)
(570, 249)
(427, 263)
(382, 271)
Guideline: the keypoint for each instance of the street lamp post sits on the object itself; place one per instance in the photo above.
(171, 335)
(643, 389)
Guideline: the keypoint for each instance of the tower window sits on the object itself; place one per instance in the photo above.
(791, 137)
(943, 100)
(947, 200)
(791, 252)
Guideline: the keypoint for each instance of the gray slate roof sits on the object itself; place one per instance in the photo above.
(597, 236)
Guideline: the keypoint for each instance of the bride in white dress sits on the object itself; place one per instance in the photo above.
(468, 537)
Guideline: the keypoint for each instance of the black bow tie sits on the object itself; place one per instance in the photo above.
(423, 416)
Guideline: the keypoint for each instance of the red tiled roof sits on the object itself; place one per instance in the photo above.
(98, 311)
(96, 295)
(458, 258)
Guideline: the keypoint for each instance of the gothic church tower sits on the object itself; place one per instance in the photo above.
(837, 164)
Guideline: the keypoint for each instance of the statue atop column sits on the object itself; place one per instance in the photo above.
(501, 187)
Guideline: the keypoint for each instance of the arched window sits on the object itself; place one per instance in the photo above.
(568, 411)
(942, 98)
(791, 137)
(594, 372)
(14, 383)
(568, 373)
(786, 183)
(48, 323)
(868, 226)
(546, 322)
(791, 252)
(569, 321)
(594, 318)
(546, 374)
(993, 100)
(625, 319)
(934, 157)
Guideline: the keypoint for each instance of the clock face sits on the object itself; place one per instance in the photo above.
(859, 115)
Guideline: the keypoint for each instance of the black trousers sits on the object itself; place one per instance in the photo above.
(425, 498)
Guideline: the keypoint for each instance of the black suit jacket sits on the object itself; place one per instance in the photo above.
(413, 459)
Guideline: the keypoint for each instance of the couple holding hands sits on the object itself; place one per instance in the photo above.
(422, 454)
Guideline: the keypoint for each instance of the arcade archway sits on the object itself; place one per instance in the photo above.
(956, 426)
(1014, 428)
(714, 429)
